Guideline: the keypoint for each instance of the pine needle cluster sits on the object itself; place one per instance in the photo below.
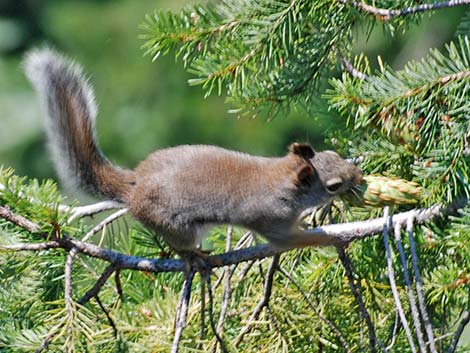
(414, 123)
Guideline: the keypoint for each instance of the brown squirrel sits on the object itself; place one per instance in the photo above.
(178, 192)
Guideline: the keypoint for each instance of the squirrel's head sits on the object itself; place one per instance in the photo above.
(325, 173)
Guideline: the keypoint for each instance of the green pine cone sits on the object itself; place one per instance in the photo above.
(379, 191)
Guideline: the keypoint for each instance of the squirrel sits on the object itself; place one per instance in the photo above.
(178, 192)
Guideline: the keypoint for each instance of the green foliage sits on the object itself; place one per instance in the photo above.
(265, 56)
(414, 122)
(31, 290)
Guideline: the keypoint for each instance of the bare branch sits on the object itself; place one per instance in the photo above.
(77, 212)
(227, 289)
(110, 319)
(344, 233)
(386, 15)
(93, 291)
(393, 286)
(357, 295)
(104, 223)
(411, 296)
(202, 322)
(349, 67)
(45, 342)
(89, 210)
(31, 247)
(20, 221)
(458, 333)
(393, 333)
(419, 284)
(244, 241)
(268, 286)
(117, 280)
(325, 235)
(211, 313)
(68, 272)
(312, 307)
(182, 310)
(68, 291)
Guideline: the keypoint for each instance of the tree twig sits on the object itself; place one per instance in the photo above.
(325, 235)
(419, 284)
(388, 14)
(227, 290)
(89, 210)
(110, 319)
(409, 289)
(78, 212)
(312, 307)
(45, 342)
(357, 295)
(268, 286)
(31, 247)
(349, 67)
(458, 333)
(117, 281)
(182, 310)
(393, 286)
(104, 223)
(93, 291)
(202, 323)
(218, 337)
(393, 333)
(68, 271)
(20, 221)
(68, 294)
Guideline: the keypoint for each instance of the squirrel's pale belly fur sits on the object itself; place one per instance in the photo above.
(180, 191)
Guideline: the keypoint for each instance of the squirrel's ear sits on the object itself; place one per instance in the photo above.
(304, 174)
(302, 149)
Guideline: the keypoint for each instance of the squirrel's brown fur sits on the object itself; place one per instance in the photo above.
(180, 191)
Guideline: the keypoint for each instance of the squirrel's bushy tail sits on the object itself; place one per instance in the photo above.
(69, 105)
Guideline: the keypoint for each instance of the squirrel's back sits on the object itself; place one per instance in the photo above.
(69, 106)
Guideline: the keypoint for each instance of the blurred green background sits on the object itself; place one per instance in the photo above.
(144, 105)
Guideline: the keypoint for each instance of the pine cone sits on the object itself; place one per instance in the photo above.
(381, 191)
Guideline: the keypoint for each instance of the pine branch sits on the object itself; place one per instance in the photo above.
(349, 67)
(458, 333)
(418, 116)
(93, 292)
(346, 261)
(393, 285)
(182, 310)
(419, 285)
(387, 15)
(31, 247)
(409, 289)
(264, 302)
(220, 341)
(90, 210)
(227, 294)
(325, 235)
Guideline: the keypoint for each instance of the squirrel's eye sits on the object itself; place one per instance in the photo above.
(333, 185)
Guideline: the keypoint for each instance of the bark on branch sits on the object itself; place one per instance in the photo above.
(386, 15)
(334, 234)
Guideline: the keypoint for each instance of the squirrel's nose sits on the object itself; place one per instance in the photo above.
(358, 176)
